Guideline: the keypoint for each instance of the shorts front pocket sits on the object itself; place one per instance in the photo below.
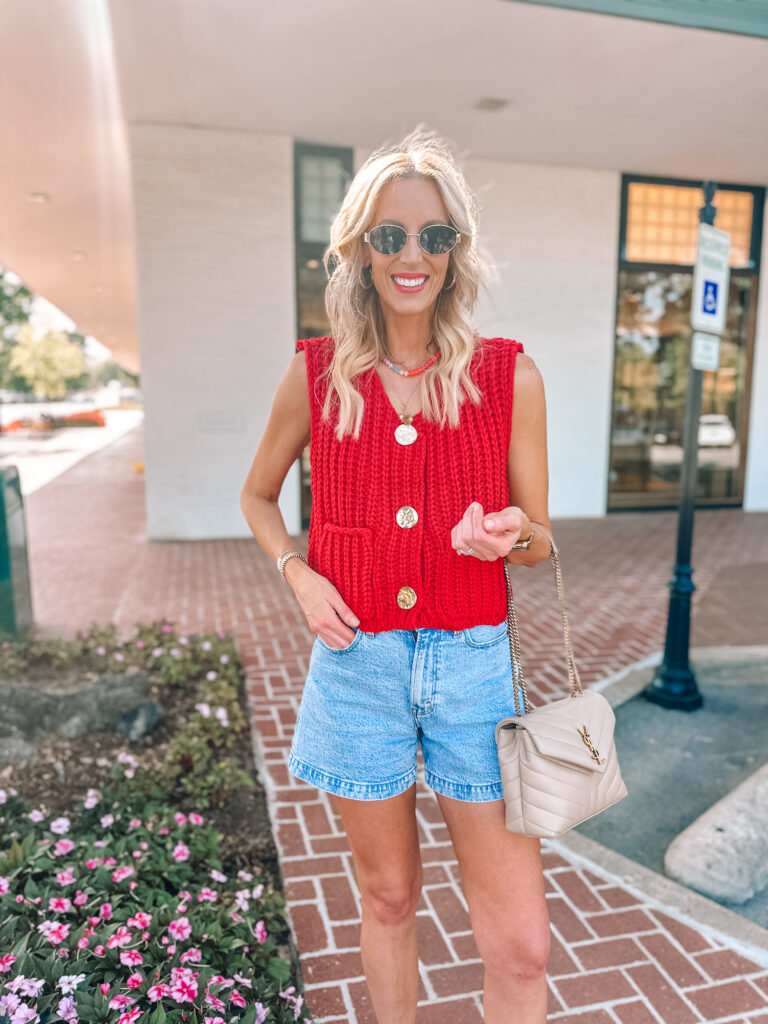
(345, 557)
(485, 636)
(341, 650)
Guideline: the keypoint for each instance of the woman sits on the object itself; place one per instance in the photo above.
(425, 474)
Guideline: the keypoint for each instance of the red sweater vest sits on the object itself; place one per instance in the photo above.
(358, 486)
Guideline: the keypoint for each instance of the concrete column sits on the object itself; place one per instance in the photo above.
(216, 308)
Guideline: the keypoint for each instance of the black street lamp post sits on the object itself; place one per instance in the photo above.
(674, 683)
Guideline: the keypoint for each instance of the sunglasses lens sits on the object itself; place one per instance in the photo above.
(388, 239)
(438, 239)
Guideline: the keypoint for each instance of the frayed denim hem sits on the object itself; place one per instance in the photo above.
(461, 791)
(345, 787)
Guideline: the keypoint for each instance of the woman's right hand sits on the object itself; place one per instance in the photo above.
(328, 616)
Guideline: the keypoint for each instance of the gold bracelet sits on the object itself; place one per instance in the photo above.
(284, 558)
(524, 545)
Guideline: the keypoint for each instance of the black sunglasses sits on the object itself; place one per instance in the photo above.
(435, 239)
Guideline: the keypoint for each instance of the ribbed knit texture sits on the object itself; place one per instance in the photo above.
(358, 486)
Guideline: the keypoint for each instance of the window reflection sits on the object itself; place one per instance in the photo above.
(652, 362)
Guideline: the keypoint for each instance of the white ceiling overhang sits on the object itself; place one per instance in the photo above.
(582, 89)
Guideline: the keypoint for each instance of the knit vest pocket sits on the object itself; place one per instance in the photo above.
(345, 557)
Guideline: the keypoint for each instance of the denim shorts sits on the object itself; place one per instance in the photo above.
(366, 707)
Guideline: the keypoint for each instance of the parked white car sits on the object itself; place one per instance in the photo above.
(716, 431)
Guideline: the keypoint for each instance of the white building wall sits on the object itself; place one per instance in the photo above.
(553, 232)
(756, 470)
(216, 305)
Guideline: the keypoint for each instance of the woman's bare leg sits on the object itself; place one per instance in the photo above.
(503, 883)
(384, 841)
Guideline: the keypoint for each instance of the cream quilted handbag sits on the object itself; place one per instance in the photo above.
(558, 762)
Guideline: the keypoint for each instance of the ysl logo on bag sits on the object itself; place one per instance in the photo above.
(588, 743)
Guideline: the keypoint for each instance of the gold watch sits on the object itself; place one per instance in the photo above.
(523, 545)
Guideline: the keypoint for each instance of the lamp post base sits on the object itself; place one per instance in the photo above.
(674, 688)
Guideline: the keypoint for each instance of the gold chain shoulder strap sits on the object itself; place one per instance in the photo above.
(518, 677)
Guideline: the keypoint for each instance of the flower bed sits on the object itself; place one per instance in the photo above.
(133, 899)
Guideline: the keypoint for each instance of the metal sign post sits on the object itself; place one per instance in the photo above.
(674, 683)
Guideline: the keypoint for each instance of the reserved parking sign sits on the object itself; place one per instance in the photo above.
(711, 277)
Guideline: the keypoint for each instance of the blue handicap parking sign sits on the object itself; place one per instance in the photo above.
(709, 300)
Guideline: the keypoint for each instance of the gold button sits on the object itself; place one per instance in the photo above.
(407, 516)
(406, 597)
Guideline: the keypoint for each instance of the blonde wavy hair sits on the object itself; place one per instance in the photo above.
(354, 311)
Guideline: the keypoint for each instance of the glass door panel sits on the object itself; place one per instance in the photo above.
(652, 360)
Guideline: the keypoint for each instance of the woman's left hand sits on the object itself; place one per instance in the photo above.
(492, 534)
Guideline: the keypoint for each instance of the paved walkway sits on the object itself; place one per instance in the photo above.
(618, 957)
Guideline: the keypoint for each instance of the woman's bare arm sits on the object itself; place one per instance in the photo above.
(285, 436)
(527, 462)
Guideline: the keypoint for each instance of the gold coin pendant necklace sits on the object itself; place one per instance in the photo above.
(405, 432)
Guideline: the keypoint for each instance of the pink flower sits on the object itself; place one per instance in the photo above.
(25, 1015)
(214, 1002)
(107, 820)
(219, 979)
(54, 931)
(6, 961)
(192, 955)
(60, 903)
(196, 819)
(181, 907)
(185, 894)
(208, 895)
(180, 852)
(171, 949)
(136, 980)
(119, 874)
(237, 918)
(118, 1001)
(222, 717)
(93, 862)
(4, 885)
(179, 818)
(140, 920)
(66, 877)
(81, 898)
(184, 990)
(261, 1013)
(131, 957)
(131, 1016)
(119, 938)
(98, 951)
(260, 932)
(92, 798)
(156, 992)
(237, 999)
(66, 1008)
(134, 823)
(104, 987)
(105, 911)
(60, 826)
(62, 847)
(82, 943)
(214, 1020)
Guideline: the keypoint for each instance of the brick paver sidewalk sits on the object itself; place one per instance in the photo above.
(618, 957)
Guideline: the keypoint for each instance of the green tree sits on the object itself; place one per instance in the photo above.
(49, 364)
(15, 308)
